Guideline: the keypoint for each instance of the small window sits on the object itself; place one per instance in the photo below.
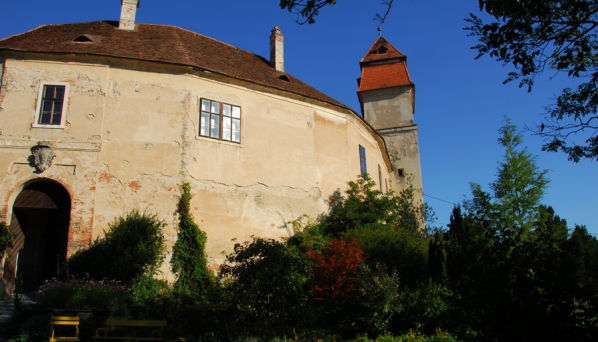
(386, 181)
(380, 177)
(51, 105)
(82, 39)
(381, 50)
(400, 173)
(362, 160)
(220, 121)
(284, 78)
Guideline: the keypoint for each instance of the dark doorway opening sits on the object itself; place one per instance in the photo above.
(41, 215)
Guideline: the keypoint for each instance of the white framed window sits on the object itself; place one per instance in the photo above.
(220, 121)
(52, 101)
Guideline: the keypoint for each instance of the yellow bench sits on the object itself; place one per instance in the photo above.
(111, 324)
(61, 321)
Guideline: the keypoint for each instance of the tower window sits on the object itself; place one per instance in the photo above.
(362, 160)
(400, 173)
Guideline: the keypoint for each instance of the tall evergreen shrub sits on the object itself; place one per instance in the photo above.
(189, 259)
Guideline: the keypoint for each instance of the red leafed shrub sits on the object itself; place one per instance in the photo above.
(334, 268)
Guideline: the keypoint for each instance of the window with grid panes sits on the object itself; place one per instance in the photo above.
(52, 103)
(220, 121)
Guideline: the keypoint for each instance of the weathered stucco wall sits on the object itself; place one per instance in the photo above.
(390, 112)
(390, 107)
(131, 139)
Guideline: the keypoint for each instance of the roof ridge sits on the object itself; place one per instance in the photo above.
(22, 33)
(196, 33)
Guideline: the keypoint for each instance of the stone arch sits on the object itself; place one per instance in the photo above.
(40, 215)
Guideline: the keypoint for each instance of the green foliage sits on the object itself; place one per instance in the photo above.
(189, 259)
(424, 308)
(512, 209)
(402, 251)
(267, 281)
(438, 336)
(366, 208)
(152, 298)
(6, 236)
(514, 272)
(557, 35)
(376, 302)
(133, 246)
(307, 9)
(84, 293)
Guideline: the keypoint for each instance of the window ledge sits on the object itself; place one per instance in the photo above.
(48, 126)
(216, 141)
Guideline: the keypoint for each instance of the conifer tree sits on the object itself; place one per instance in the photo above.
(189, 259)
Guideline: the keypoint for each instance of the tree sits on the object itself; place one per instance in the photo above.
(515, 272)
(520, 184)
(189, 259)
(309, 9)
(366, 208)
(542, 35)
(133, 247)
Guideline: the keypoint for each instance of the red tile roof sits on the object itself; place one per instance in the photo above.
(384, 76)
(159, 43)
(381, 50)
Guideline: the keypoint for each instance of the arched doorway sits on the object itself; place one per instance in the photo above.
(41, 215)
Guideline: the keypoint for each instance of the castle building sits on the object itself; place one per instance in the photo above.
(99, 118)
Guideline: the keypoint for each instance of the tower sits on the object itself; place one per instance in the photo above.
(387, 97)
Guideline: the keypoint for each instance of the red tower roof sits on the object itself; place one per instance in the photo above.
(381, 50)
(383, 67)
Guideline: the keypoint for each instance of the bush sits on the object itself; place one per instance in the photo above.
(83, 293)
(439, 336)
(268, 281)
(133, 246)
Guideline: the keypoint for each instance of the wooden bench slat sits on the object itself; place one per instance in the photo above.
(65, 318)
(63, 323)
(133, 323)
(130, 323)
(126, 338)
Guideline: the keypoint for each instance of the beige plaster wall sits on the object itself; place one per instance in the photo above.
(390, 107)
(131, 140)
(390, 112)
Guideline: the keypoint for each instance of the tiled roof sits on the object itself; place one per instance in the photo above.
(384, 76)
(159, 43)
(384, 67)
(380, 50)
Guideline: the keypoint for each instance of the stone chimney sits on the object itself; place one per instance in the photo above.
(276, 49)
(127, 14)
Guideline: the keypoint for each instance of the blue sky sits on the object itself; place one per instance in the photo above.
(460, 101)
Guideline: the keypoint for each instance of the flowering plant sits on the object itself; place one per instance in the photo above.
(79, 293)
